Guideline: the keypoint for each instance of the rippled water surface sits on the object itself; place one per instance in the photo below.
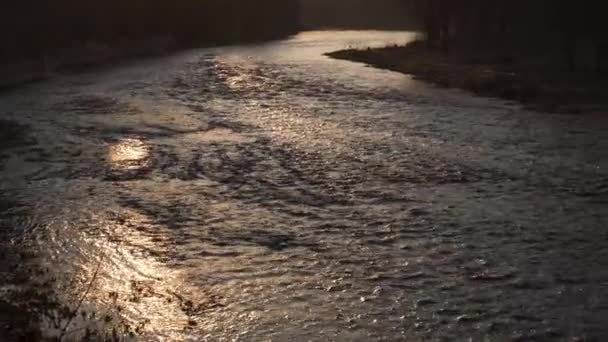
(269, 193)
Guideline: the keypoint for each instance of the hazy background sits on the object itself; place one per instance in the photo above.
(360, 14)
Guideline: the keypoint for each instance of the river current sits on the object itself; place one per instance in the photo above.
(269, 193)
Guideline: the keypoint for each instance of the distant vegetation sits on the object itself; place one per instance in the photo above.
(549, 55)
(573, 32)
(355, 14)
(33, 27)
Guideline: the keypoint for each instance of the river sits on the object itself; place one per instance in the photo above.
(269, 193)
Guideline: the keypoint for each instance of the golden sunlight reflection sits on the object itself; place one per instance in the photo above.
(139, 285)
(128, 153)
(239, 81)
(133, 291)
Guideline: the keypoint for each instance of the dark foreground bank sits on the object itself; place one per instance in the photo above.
(536, 84)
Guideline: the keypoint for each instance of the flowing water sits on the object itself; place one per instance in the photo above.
(269, 193)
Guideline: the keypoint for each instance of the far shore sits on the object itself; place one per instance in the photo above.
(545, 88)
(88, 54)
(94, 54)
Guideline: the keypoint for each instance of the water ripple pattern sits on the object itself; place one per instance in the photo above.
(266, 192)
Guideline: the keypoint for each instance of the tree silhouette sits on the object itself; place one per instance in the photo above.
(542, 24)
(31, 27)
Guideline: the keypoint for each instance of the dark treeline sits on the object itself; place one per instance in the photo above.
(33, 27)
(574, 30)
(355, 14)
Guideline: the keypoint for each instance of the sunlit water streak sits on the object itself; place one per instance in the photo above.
(267, 192)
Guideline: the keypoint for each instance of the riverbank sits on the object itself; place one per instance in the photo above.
(95, 54)
(537, 85)
(87, 55)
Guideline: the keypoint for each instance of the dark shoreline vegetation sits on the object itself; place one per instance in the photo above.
(552, 57)
(386, 15)
(545, 88)
(67, 33)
